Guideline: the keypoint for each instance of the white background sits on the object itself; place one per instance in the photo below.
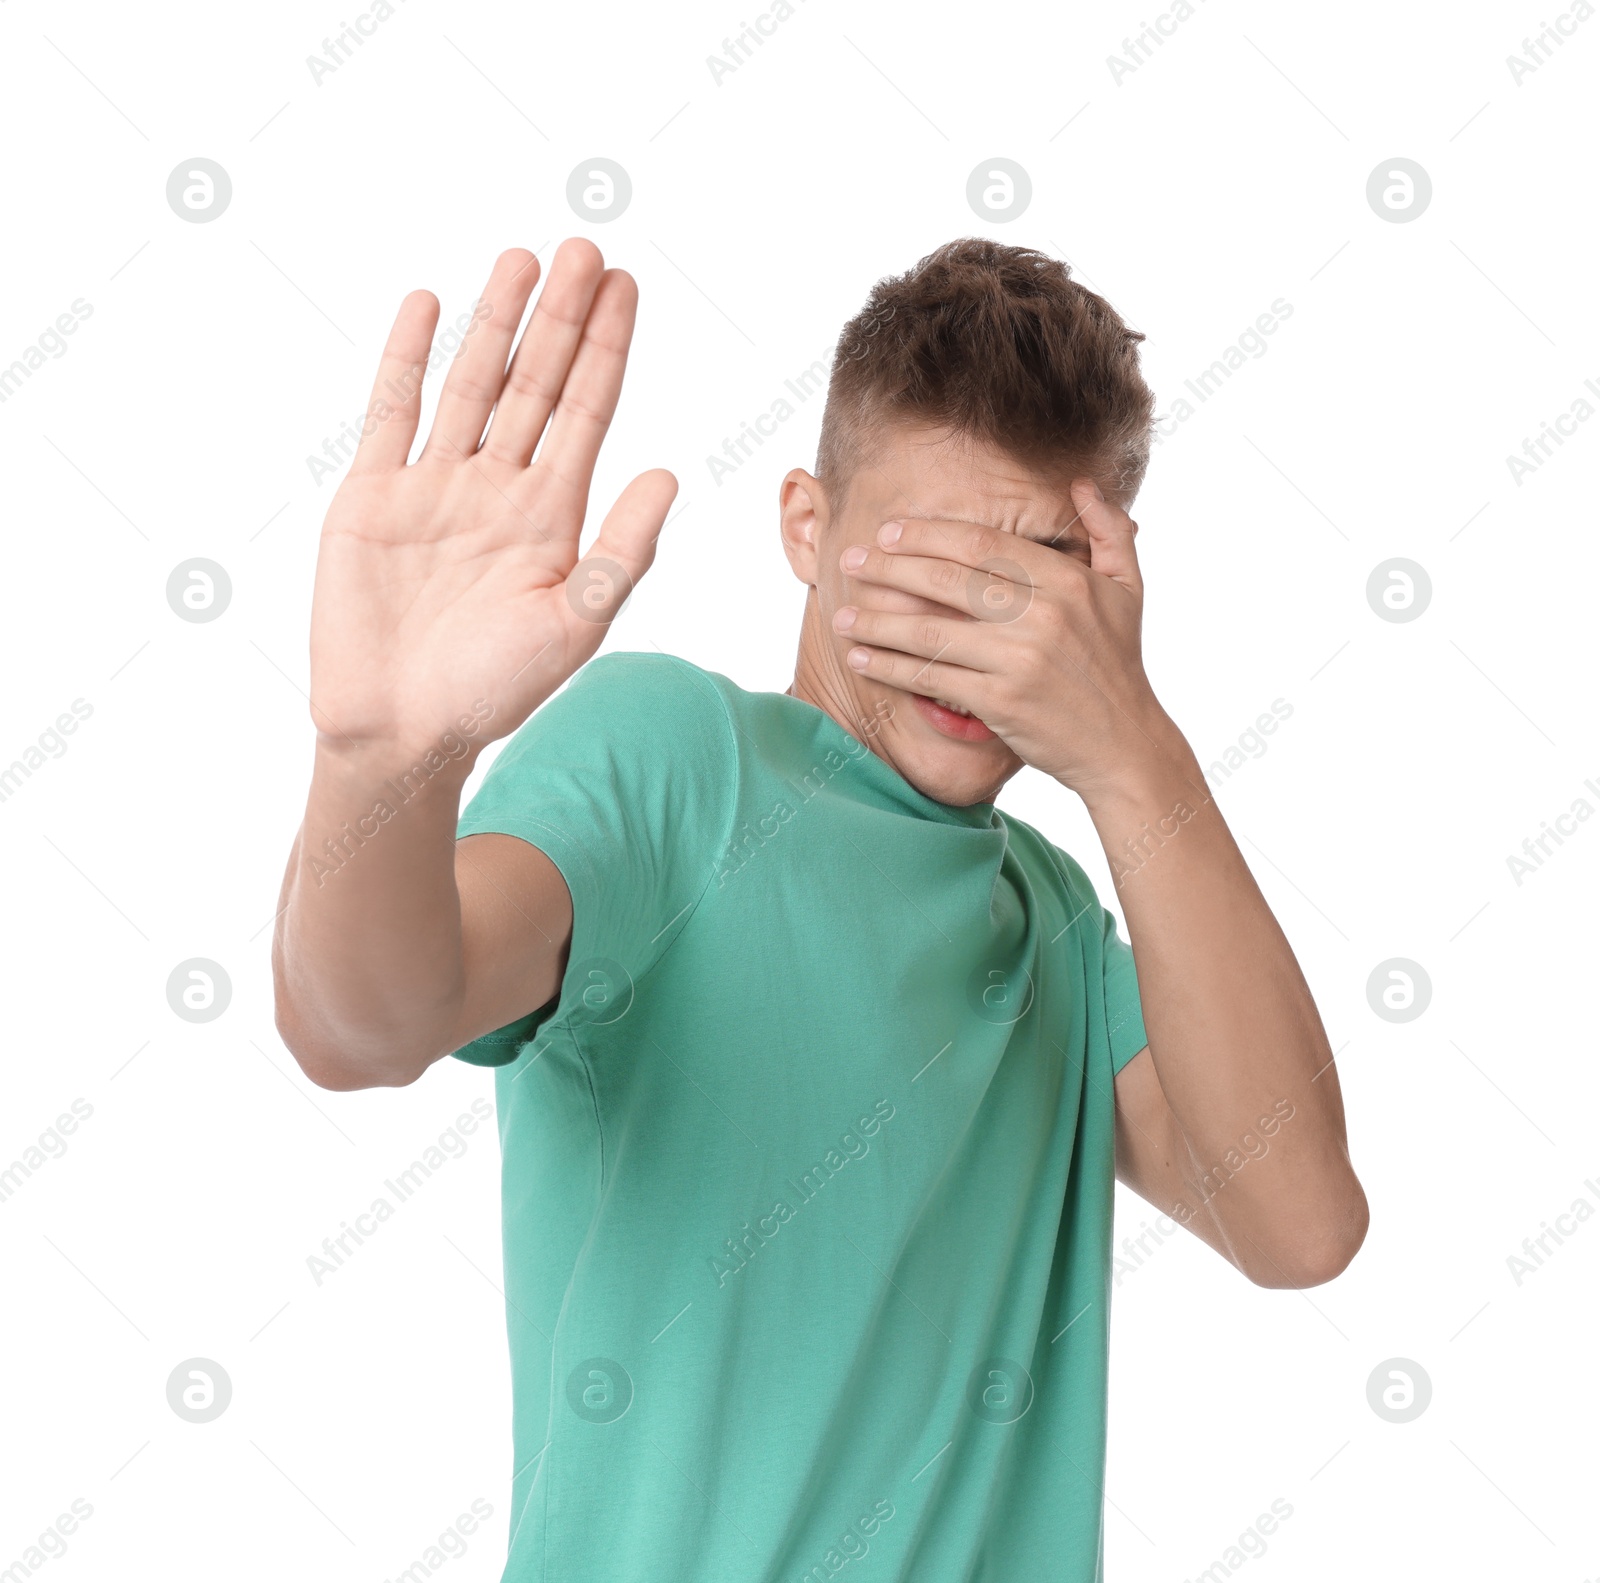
(1228, 171)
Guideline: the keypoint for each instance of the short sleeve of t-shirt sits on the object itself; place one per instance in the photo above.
(1124, 1016)
(625, 780)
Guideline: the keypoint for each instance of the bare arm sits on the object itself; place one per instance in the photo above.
(1231, 1121)
(442, 941)
(450, 602)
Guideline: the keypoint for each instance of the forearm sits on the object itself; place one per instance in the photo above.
(367, 957)
(1234, 1033)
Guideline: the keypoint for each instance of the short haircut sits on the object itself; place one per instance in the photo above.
(996, 344)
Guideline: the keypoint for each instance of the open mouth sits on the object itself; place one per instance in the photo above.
(951, 720)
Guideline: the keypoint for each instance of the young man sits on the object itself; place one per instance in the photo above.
(812, 1066)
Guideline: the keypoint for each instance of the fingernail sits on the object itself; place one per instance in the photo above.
(855, 556)
(858, 659)
(889, 534)
(844, 618)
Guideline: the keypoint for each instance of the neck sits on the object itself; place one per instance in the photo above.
(818, 679)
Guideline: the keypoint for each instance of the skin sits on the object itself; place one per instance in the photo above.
(450, 589)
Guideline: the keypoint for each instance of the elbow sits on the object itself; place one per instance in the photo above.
(318, 1060)
(340, 1073)
(328, 1071)
(330, 1065)
(1315, 1254)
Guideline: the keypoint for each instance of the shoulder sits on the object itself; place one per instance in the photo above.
(651, 700)
(1045, 858)
(634, 673)
(635, 754)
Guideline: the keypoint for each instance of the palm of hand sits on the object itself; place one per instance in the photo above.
(453, 585)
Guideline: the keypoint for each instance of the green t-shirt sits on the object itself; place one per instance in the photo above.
(808, 1169)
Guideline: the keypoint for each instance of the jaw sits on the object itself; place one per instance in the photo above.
(941, 766)
(944, 768)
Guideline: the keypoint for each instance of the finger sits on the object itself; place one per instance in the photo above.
(880, 597)
(973, 545)
(478, 369)
(1110, 530)
(624, 549)
(593, 383)
(545, 353)
(947, 639)
(913, 674)
(396, 400)
(1000, 591)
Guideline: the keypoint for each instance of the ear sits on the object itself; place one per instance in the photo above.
(802, 520)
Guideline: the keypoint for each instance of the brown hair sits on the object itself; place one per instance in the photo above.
(996, 344)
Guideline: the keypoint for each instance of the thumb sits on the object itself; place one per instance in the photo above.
(624, 548)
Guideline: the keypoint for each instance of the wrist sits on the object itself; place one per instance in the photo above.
(1138, 812)
(390, 770)
(1165, 780)
(1161, 770)
(445, 758)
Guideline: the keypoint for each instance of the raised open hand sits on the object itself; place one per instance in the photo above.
(451, 586)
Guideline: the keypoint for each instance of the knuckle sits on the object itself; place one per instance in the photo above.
(980, 541)
(470, 385)
(1029, 664)
(526, 382)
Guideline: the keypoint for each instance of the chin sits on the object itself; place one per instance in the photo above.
(946, 768)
